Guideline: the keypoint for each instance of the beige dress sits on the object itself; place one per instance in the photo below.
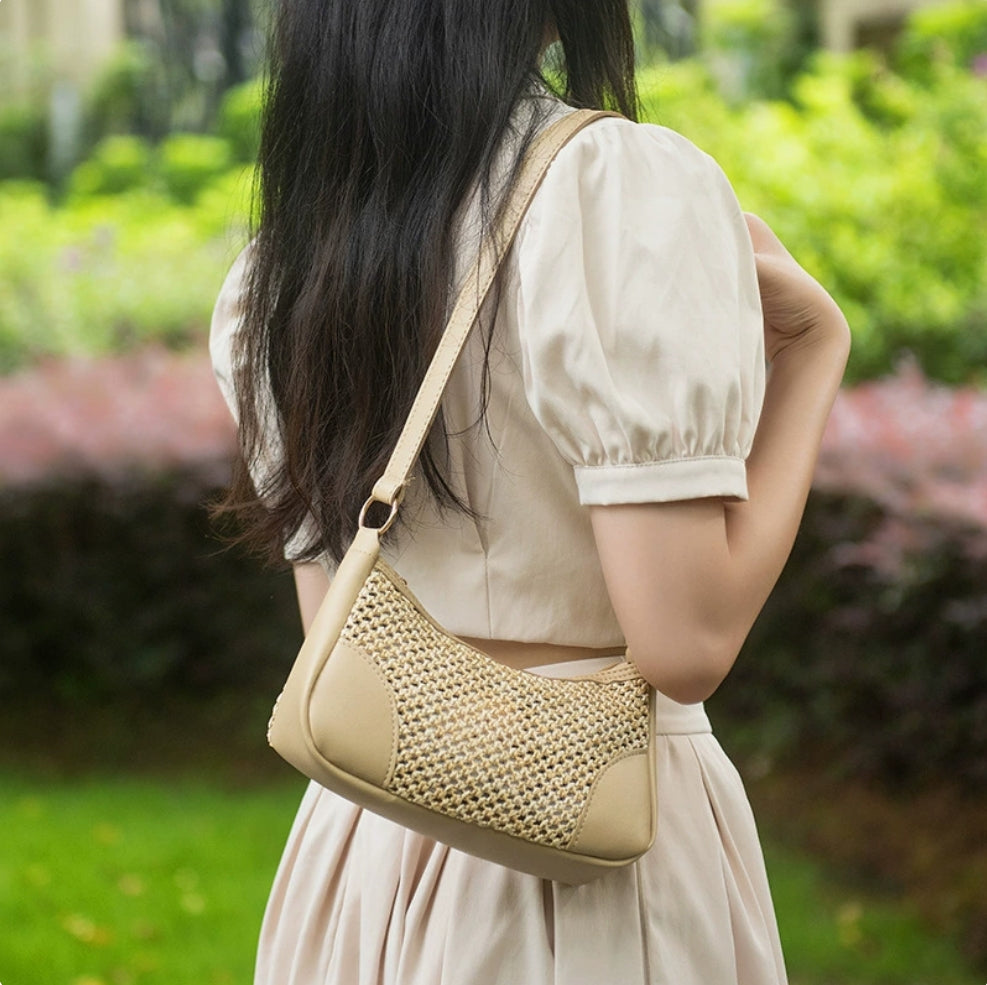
(626, 367)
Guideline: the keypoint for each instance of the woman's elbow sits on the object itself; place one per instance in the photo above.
(687, 673)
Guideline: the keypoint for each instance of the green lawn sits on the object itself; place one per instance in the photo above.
(137, 882)
(835, 934)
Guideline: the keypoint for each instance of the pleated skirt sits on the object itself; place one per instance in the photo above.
(358, 900)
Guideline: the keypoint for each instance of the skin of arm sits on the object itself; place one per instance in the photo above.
(311, 584)
(688, 579)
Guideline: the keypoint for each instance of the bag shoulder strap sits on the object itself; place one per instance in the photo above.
(390, 488)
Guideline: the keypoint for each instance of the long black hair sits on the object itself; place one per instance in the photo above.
(381, 116)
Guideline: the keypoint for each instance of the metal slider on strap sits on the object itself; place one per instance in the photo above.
(394, 504)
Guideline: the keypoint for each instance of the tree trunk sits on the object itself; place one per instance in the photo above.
(233, 26)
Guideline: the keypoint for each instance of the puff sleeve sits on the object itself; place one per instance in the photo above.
(225, 324)
(639, 318)
(227, 320)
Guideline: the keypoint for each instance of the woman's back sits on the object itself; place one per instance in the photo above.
(624, 364)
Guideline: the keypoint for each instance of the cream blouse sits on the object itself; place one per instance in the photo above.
(627, 366)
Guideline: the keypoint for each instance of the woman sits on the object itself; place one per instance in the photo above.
(603, 472)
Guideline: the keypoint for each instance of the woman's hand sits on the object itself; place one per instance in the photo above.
(797, 309)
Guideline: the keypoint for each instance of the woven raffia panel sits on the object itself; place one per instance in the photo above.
(483, 743)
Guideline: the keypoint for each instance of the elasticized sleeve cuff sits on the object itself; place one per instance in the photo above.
(662, 482)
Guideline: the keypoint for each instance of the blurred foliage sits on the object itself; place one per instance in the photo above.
(885, 677)
(126, 97)
(23, 143)
(878, 184)
(952, 34)
(170, 75)
(190, 162)
(117, 164)
(104, 273)
(181, 167)
(751, 45)
(670, 27)
(878, 672)
(875, 178)
(196, 50)
(181, 56)
(239, 119)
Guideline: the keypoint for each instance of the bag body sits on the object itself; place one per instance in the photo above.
(552, 776)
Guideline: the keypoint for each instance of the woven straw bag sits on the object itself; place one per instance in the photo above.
(555, 777)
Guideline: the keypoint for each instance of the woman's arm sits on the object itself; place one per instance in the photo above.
(688, 579)
(311, 583)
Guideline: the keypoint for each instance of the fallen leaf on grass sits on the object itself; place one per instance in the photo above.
(85, 930)
(131, 885)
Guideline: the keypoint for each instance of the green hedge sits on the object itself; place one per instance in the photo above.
(182, 167)
(125, 592)
(872, 664)
(117, 164)
(122, 592)
(190, 162)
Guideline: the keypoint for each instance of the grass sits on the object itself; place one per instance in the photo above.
(135, 882)
(127, 881)
(835, 933)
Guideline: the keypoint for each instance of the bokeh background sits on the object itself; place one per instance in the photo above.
(141, 815)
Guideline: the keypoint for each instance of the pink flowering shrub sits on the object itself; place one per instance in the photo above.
(148, 411)
(919, 452)
(916, 449)
(913, 447)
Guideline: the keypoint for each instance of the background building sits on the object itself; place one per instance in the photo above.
(69, 41)
(848, 24)
(55, 39)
